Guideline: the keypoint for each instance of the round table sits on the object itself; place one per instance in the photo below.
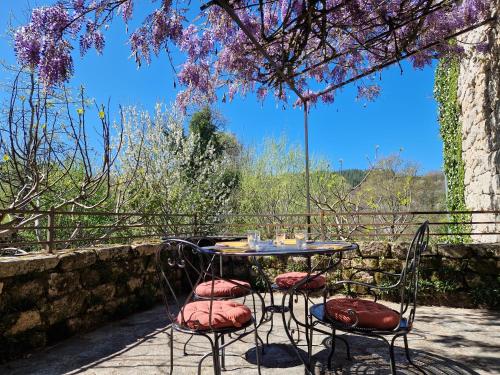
(327, 248)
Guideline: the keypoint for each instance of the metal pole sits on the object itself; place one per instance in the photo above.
(306, 146)
(224, 4)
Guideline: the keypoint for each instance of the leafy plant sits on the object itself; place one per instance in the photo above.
(445, 92)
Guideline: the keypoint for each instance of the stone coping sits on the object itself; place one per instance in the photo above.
(71, 259)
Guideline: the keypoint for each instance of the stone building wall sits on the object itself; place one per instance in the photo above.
(479, 97)
(46, 298)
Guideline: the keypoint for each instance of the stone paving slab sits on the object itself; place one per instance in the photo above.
(444, 341)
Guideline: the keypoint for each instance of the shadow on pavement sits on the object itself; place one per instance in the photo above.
(371, 356)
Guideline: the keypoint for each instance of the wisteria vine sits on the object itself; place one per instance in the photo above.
(314, 46)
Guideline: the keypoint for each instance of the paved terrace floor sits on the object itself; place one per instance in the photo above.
(444, 341)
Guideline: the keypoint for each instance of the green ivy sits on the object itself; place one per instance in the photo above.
(446, 94)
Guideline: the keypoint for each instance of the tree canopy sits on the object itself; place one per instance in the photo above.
(313, 46)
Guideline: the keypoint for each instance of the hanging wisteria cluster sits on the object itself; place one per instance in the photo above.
(236, 46)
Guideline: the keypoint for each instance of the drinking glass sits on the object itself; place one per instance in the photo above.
(300, 238)
(253, 238)
(262, 245)
(280, 237)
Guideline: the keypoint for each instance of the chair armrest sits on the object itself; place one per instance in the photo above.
(366, 285)
(372, 271)
(377, 270)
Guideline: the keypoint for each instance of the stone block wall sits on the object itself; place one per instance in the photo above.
(45, 298)
(450, 275)
(479, 99)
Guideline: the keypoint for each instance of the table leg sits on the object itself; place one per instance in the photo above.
(305, 361)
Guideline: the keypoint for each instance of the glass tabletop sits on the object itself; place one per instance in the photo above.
(241, 248)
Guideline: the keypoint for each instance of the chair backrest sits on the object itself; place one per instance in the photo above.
(408, 281)
(179, 266)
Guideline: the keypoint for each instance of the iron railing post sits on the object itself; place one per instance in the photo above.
(322, 225)
(49, 246)
(195, 224)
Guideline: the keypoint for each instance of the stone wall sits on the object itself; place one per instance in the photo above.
(479, 97)
(450, 275)
(46, 298)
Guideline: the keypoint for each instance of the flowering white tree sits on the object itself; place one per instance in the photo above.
(164, 170)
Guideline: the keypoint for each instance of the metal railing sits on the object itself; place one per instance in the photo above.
(51, 230)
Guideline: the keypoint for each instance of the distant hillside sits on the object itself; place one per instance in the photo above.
(427, 191)
(353, 176)
(430, 192)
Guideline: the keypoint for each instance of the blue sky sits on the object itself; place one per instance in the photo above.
(402, 117)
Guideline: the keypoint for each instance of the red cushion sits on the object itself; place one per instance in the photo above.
(289, 279)
(370, 314)
(225, 314)
(222, 288)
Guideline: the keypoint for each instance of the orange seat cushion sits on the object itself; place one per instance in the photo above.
(222, 288)
(225, 314)
(289, 279)
(370, 314)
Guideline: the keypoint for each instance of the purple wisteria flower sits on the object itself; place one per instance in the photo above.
(93, 37)
(349, 43)
(27, 46)
(127, 9)
(41, 44)
(368, 92)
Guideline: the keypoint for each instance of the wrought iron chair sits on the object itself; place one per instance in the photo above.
(223, 289)
(306, 284)
(283, 282)
(369, 318)
(210, 318)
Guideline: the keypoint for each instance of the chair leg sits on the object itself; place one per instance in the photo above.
(391, 354)
(298, 331)
(223, 354)
(332, 350)
(261, 342)
(347, 347)
(212, 346)
(185, 345)
(171, 341)
(311, 331)
(407, 352)
(289, 324)
(271, 328)
(216, 356)
(308, 331)
(257, 354)
(202, 359)
(297, 328)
